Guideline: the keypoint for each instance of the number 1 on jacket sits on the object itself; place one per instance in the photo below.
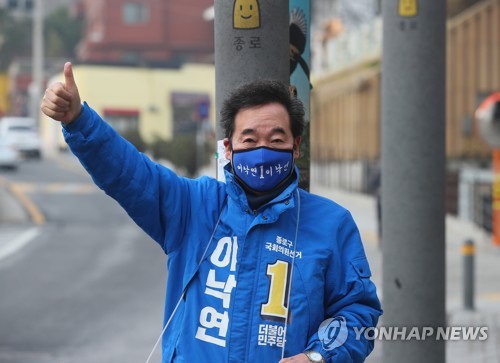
(276, 307)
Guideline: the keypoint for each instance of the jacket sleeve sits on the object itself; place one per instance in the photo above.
(154, 196)
(352, 304)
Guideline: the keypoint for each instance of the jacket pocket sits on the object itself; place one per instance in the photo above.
(361, 267)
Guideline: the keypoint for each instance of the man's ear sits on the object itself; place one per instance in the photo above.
(296, 147)
(227, 147)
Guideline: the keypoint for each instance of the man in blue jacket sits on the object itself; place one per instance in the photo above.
(259, 270)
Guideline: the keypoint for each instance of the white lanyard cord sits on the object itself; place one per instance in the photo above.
(185, 288)
(201, 260)
(291, 274)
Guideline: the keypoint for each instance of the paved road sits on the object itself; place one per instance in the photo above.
(89, 285)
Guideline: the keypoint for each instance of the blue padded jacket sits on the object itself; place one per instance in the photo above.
(288, 277)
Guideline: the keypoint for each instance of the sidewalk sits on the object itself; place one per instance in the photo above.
(487, 281)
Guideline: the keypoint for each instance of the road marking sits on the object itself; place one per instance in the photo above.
(53, 188)
(56, 188)
(23, 186)
(32, 209)
(20, 190)
(19, 242)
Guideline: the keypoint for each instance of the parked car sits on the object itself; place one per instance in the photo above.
(23, 132)
(9, 155)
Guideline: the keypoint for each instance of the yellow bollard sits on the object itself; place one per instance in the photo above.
(468, 253)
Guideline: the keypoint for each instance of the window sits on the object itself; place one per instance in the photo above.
(122, 120)
(134, 13)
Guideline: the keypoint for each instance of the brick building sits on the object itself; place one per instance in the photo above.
(146, 32)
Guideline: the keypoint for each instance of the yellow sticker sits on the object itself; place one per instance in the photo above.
(246, 14)
(408, 8)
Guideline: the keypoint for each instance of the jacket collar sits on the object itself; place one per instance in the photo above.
(282, 202)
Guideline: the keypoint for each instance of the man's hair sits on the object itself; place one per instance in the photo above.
(260, 93)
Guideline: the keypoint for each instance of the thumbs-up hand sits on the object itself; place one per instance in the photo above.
(61, 101)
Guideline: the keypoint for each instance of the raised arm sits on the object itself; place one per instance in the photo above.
(159, 201)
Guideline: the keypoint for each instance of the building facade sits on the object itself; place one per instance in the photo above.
(146, 32)
(157, 103)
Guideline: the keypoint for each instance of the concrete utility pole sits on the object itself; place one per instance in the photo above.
(38, 64)
(300, 60)
(251, 42)
(413, 175)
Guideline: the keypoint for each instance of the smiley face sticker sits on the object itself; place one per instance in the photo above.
(408, 8)
(246, 14)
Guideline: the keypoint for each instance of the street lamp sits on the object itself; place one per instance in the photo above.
(36, 85)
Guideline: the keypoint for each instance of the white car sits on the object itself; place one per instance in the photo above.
(9, 156)
(23, 132)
